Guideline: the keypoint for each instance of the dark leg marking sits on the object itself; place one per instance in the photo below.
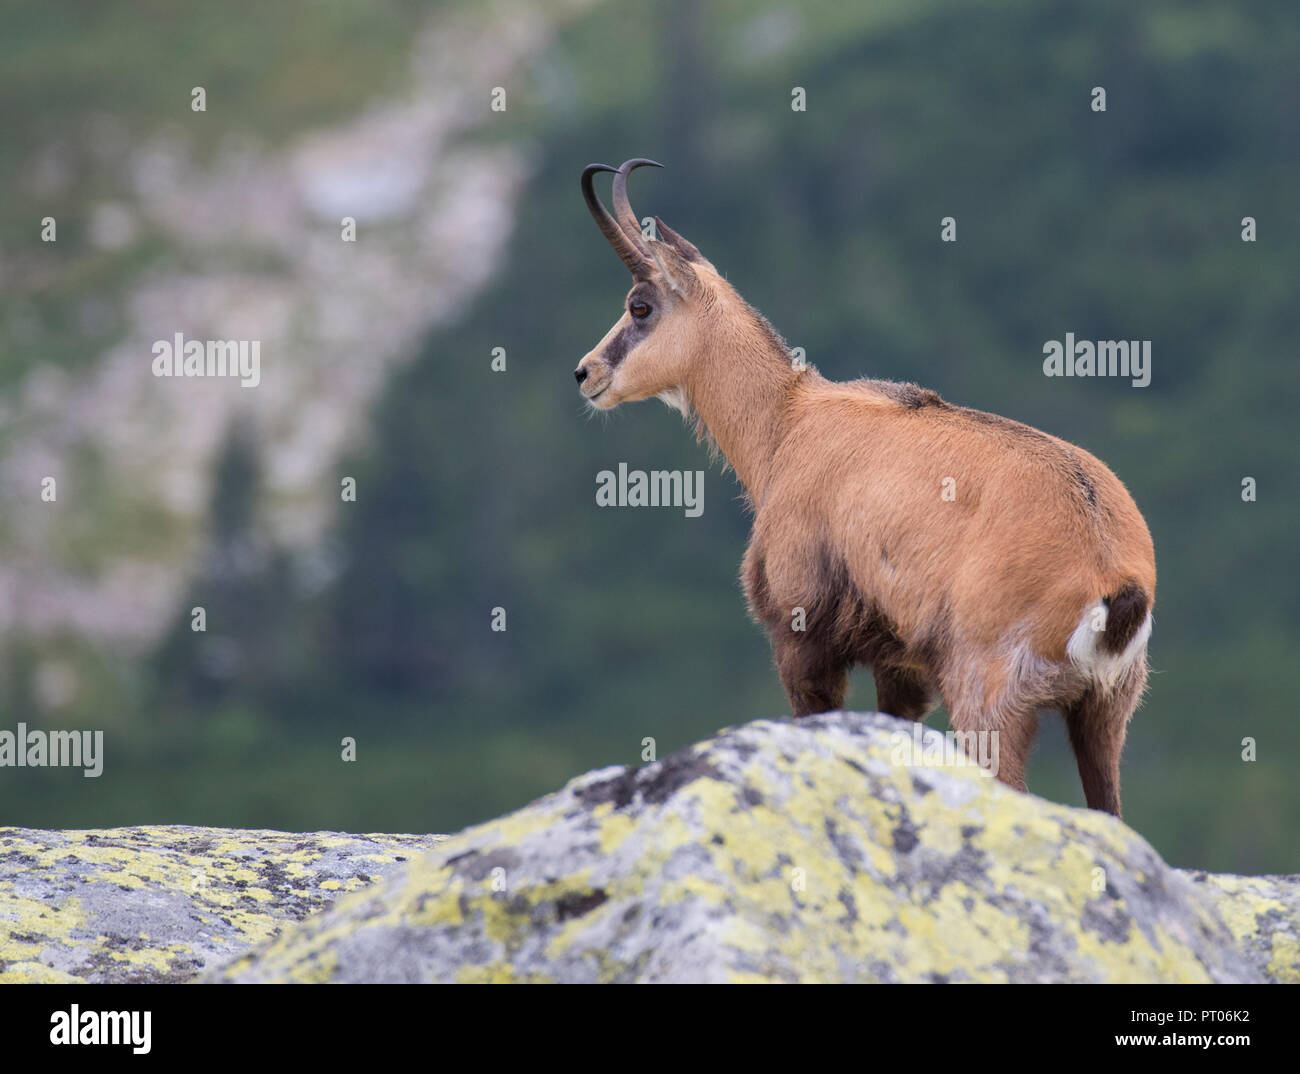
(902, 692)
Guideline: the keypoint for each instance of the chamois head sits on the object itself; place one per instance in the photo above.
(649, 349)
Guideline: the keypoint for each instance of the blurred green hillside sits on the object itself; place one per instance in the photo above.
(476, 489)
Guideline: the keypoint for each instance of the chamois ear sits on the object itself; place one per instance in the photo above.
(675, 269)
(683, 246)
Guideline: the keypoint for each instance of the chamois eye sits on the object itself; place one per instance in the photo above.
(639, 310)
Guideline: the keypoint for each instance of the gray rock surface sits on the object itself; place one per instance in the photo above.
(776, 851)
(792, 851)
(164, 903)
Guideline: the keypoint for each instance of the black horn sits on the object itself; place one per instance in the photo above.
(622, 207)
(630, 249)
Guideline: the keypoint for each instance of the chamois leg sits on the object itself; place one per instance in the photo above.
(1098, 725)
(1004, 741)
(814, 679)
(903, 692)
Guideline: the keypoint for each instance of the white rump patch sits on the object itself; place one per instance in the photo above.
(1085, 652)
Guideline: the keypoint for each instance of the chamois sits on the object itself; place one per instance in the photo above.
(963, 556)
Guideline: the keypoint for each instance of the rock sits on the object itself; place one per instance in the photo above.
(163, 903)
(1263, 913)
(777, 851)
(793, 851)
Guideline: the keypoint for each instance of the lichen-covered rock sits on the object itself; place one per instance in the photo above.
(1263, 913)
(776, 851)
(789, 851)
(164, 903)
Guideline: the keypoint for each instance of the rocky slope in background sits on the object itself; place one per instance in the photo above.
(776, 851)
(257, 254)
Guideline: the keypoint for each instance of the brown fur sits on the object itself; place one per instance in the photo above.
(973, 601)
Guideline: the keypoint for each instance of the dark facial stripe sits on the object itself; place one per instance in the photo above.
(619, 346)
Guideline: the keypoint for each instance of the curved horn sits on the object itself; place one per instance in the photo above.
(628, 249)
(622, 207)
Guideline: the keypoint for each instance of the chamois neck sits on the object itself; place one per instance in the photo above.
(739, 389)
